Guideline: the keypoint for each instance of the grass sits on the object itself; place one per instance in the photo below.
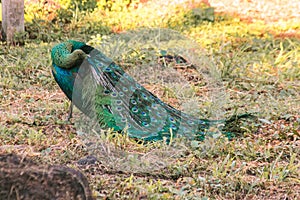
(249, 70)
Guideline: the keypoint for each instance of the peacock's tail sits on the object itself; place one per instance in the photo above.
(107, 93)
(104, 92)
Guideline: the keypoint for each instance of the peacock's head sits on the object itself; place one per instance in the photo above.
(68, 54)
(78, 54)
(76, 57)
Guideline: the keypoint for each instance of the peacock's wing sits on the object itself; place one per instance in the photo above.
(119, 102)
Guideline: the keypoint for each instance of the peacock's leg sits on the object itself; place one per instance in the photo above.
(70, 112)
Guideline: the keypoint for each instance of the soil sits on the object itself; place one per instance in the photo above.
(21, 178)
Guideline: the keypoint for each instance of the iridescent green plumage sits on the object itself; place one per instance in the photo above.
(103, 90)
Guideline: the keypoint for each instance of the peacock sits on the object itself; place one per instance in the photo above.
(102, 90)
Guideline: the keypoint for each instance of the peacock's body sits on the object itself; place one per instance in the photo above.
(101, 89)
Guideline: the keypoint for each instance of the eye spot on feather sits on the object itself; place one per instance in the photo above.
(121, 94)
(114, 94)
(153, 119)
(172, 119)
(144, 114)
(159, 129)
(138, 100)
(134, 109)
(190, 122)
(126, 75)
(173, 127)
(145, 124)
(118, 102)
(133, 101)
(154, 106)
(144, 96)
(123, 120)
(152, 97)
(132, 88)
(106, 92)
(154, 134)
(125, 89)
(119, 108)
(108, 69)
(138, 86)
(113, 75)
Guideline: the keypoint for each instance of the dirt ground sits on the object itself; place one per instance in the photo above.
(270, 11)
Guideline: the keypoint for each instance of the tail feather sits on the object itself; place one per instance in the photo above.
(233, 125)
